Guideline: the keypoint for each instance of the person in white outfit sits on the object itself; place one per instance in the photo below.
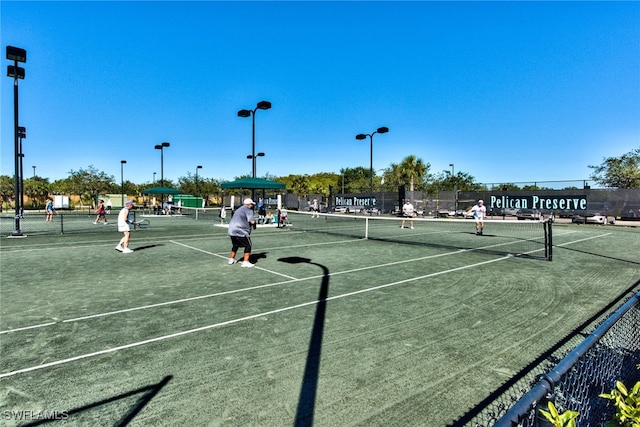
(123, 226)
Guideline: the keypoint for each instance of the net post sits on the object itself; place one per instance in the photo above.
(61, 223)
(366, 228)
(548, 240)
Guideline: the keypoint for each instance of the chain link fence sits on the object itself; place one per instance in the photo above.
(572, 375)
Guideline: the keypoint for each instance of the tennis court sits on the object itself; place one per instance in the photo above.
(343, 322)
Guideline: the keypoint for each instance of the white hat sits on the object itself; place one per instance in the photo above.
(248, 201)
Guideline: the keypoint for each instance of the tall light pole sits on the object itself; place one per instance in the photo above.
(34, 172)
(455, 191)
(197, 167)
(16, 54)
(362, 136)
(154, 179)
(161, 147)
(122, 162)
(262, 105)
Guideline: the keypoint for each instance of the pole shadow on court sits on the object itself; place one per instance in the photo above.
(309, 387)
(146, 393)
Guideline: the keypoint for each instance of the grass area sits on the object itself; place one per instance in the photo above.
(327, 329)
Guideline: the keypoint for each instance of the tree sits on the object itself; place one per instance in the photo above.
(411, 170)
(88, 183)
(37, 189)
(7, 188)
(619, 172)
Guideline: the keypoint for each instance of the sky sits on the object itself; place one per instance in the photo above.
(507, 92)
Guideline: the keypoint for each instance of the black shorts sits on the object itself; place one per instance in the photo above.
(240, 242)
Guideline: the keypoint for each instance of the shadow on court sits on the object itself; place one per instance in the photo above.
(141, 248)
(254, 258)
(147, 394)
(309, 387)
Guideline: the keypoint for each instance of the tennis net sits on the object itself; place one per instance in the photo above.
(527, 238)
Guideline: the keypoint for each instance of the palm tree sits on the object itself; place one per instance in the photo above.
(410, 170)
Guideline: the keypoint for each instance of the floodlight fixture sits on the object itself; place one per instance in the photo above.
(16, 72)
(264, 105)
(16, 54)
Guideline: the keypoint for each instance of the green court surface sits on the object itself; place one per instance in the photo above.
(408, 327)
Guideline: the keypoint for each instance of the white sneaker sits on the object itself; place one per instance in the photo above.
(232, 261)
(412, 228)
(126, 251)
(119, 248)
(95, 222)
(246, 264)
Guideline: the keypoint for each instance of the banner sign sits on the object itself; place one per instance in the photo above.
(573, 203)
(355, 201)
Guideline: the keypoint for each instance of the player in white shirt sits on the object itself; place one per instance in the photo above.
(407, 212)
(479, 213)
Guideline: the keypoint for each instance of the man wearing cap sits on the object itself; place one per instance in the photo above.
(240, 230)
(123, 225)
(479, 213)
(407, 212)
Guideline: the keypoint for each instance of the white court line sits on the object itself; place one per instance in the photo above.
(584, 240)
(242, 319)
(222, 256)
(290, 280)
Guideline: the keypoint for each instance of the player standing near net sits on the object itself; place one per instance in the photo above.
(315, 209)
(479, 213)
(407, 212)
(123, 226)
(240, 227)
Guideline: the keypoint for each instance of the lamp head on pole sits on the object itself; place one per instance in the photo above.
(360, 136)
(158, 147)
(264, 105)
(383, 129)
(165, 144)
(244, 113)
(16, 54)
(17, 72)
(22, 132)
(123, 161)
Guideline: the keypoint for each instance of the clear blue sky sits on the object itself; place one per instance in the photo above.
(506, 91)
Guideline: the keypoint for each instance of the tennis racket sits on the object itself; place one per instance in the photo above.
(142, 224)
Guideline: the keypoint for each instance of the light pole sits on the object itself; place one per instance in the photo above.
(154, 179)
(362, 136)
(197, 167)
(34, 172)
(161, 147)
(122, 162)
(262, 105)
(455, 191)
(16, 54)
